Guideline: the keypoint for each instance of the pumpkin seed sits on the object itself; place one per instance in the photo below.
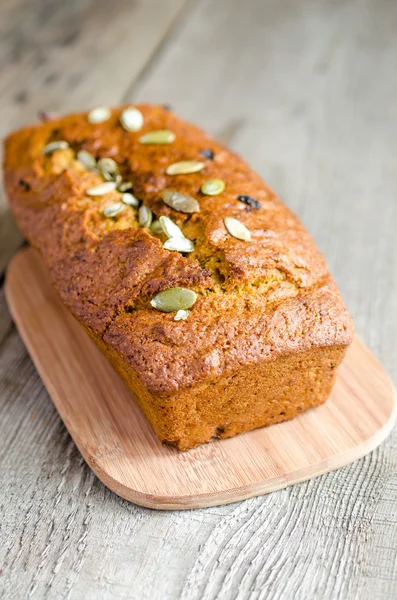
(145, 216)
(54, 146)
(113, 210)
(99, 115)
(107, 176)
(184, 167)
(131, 119)
(86, 159)
(174, 299)
(162, 136)
(170, 228)
(103, 188)
(156, 228)
(180, 202)
(108, 166)
(111, 177)
(237, 229)
(181, 315)
(213, 187)
(130, 200)
(178, 244)
(124, 186)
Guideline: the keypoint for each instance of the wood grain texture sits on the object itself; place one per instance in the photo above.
(61, 56)
(305, 90)
(117, 442)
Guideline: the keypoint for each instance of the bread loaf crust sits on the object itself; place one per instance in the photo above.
(261, 301)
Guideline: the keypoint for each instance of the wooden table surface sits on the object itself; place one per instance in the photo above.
(306, 91)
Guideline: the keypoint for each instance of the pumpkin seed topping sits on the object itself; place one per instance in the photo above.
(237, 229)
(131, 119)
(174, 299)
(184, 167)
(130, 200)
(108, 176)
(86, 159)
(108, 166)
(162, 136)
(180, 202)
(103, 188)
(156, 227)
(113, 210)
(181, 315)
(213, 187)
(250, 201)
(170, 228)
(145, 216)
(124, 186)
(178, 244)
(54, 146)
(99, 115)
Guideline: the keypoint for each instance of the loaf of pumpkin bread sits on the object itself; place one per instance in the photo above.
(204, 291)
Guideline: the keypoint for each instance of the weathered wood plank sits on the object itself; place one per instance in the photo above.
(64, 56)
(305, 90)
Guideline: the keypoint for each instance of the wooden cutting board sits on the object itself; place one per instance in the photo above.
(119, 445)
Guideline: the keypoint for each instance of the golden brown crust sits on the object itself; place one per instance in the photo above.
(257, 300)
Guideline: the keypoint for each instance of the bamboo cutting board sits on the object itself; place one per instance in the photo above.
(119, 445)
